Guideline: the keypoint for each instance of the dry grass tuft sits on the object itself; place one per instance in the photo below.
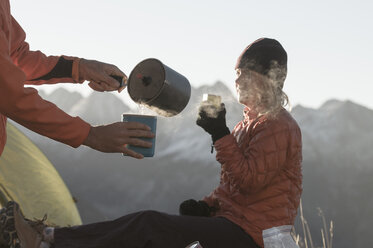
(306, 241)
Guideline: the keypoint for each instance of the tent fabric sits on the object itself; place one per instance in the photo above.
(29, 178)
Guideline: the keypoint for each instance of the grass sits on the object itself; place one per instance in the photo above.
(306, 241)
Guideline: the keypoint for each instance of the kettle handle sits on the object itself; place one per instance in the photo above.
(119, 79)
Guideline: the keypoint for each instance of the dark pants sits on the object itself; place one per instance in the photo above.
(154, 229)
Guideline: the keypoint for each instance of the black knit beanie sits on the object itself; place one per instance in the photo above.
(267, 57)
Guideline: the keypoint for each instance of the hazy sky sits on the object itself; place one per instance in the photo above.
(329, 43)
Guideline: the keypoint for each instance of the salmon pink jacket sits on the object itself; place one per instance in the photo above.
(261, 180)
(20, 66)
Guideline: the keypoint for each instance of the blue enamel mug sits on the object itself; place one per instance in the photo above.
(148, 120)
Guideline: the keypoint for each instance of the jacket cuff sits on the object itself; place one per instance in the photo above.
(222, 144)
(75, 69)
(83, 128)
(220, 134)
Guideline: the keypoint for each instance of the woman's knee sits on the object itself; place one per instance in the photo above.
(150, 215)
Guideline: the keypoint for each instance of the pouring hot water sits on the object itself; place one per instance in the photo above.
(158, 87)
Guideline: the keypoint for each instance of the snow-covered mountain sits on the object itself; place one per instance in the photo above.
(97, 108)
(337, 165)
(341, 129)
(63, 98)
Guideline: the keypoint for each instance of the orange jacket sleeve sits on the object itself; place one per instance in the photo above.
(252, 169)
(24, 105)
(34, 64)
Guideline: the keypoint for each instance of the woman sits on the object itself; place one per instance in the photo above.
(261, 180)
(260, 184)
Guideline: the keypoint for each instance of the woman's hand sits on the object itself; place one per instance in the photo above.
(192, 207)
(100, 75)
(212, 120)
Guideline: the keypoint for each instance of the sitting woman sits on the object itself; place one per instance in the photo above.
(261, 181)
(260, 185)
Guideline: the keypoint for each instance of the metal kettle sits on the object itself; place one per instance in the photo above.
(160, 88)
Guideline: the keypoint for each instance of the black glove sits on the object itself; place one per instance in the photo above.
(192, 207)
(212, 120)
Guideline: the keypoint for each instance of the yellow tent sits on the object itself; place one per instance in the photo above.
(27, 177)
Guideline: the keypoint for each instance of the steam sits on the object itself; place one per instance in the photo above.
(211, 104)
(162, 112)
(211, 110)
(277, 74)
(263, 93)
(143, 108)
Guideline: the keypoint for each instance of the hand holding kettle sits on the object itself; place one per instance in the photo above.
(102, 76)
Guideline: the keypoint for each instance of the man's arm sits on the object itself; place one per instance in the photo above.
(39, 68)
(26, 107)
(23, 105)
(42, 69)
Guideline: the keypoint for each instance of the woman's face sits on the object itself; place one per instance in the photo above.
(245, 87)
